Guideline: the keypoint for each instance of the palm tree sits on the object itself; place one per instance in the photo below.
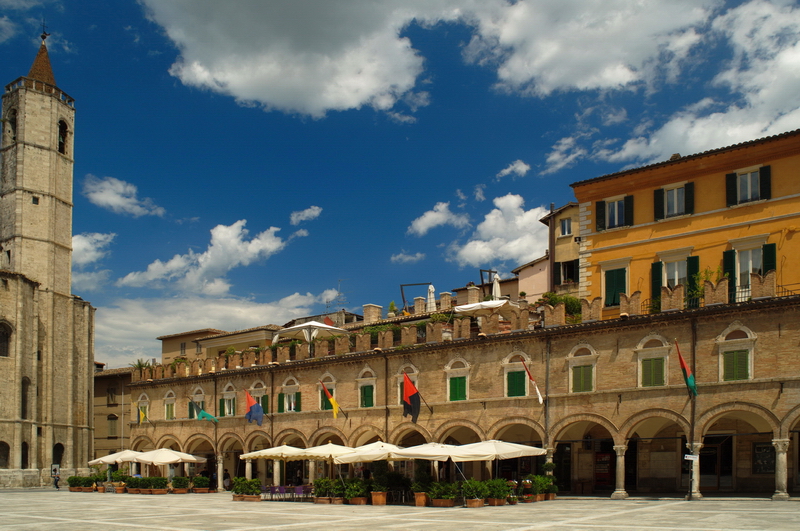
(140, 364)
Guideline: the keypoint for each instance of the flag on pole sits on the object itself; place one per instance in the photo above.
(143, 416)
(535, 387)
(688, 377)
(410, 399)
(332, 400)
(254, 410)
(201, 414)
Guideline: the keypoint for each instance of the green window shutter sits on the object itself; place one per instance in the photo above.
(656, 279)
(516, 383)
(265, 403)
(234, 406)
(764, 182)
(600, 215)
(769, 258)
(736, 366)
(658, 204)
(281, 402)
(615, 284)
(191, 410)
(731, 194)
(688, 198)
(557, 274)
(367, 396)
(297, 401)
(581, 378)
(652, 372)
(221, 407)
(458, 388)
(729, 268)
(628, 221)
(326, 404)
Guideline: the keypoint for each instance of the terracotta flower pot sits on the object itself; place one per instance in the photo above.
(443, 503)
(496, 502)
(198, 490)
(251, 497)
(474, 503)
(180, 491)
(550, 496)
(87, 489)
(378, 498)
(133, 491)
(322, 499)
(158, 491)
(359, 500)
(337, 500)
(238, 497)
(421, 499)
(76, 489)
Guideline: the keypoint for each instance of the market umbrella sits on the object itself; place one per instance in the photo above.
(165, 456)
(430, 304)
(119, 457)
(284, 452)
(505, 308)
(376, 451)
(308, 331)
(493, 449)
(496, 287)
(431, 451)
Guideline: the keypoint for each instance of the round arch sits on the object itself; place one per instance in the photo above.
(585, 418)
(142, 443)
(253, 439)
(290, 434)
(789, 420)
(451, 426)
(502, 425)
(197, 440)
(403, 429)
(230, 440)
(318, 437)
(169, 441)
(635, 422)
(365, 433)
(759, 417)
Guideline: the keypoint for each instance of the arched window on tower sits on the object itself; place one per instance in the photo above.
(5, 336)
(62, 137)
(24, 396)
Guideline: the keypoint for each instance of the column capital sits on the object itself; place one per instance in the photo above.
(620, 449)
(694, 447)
(781, 445)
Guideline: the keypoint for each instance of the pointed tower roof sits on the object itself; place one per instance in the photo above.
(41, 69)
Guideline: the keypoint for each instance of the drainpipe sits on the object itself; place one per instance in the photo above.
(386, 398)
(551, 245)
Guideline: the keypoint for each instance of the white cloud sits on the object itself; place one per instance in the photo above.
(440, 215)
(83, 281)
(405, 258)
(518, 168)
(308, 214)
(119, 197)
(204, 273)
(508, 232)
(126, 330)
(479, 192)
(7, 28)
(565, 153)
(90, 247)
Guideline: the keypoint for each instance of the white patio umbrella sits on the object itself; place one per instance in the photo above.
(496, 287)
(431, 451)
(505, 308)
(124, 456)
(287, 453)
(376, 451)
(430, 304)
(308, 331)
(493, 449)
(326, 451)
(165, 456)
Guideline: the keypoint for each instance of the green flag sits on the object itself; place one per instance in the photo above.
(688, 377)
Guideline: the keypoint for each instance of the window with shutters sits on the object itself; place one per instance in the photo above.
(516, 379)
(614, 212)
(516, 383)
(566, 226)
(366, 382)
(197, 402)
(227, 404)
(457, 380)
(582, 363)
(259, 394)
(113, 422)
(653, 357)
(748, 185)
(413, 375)
(330, 385)
(736, 345)
(169, 406)
(289, 397)
(673, 200)
(748, 255)
(614, 285)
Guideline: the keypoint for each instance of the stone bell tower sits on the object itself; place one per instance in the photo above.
(46, 333)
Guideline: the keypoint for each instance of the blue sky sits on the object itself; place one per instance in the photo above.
(238, 161)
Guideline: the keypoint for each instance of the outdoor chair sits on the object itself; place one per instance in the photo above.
(282, 492)
(299, 493)
(273, 491)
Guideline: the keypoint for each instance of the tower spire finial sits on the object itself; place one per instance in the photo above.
(44, 31)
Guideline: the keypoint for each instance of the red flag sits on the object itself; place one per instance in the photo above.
(688, 377)
(410, 399)
(328, 321)
(536, 387)
(254, 409)
(332, 400)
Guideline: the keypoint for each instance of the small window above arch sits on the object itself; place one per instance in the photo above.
(736, 334)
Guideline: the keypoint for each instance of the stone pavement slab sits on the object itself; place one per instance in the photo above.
(40, 509)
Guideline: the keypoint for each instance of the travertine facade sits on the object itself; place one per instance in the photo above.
(46, 333)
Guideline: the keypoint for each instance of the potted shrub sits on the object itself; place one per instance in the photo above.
(337, 492)
(420, 491)
(540, 484)
(379, 489)
(322, 488)
(251, 490)
(200, 484)
(552, 490)
(180, 485)
(499, 490)
(133, 485)
(87, 484)
(443, 494)
(355, 491)
(158, 485)
(526, 490)
(98, 480)
(75, 483)
(474, 492)
(238, 489)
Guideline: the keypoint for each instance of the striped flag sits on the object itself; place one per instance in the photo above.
(536, 387)
(332, 400)
(688, 377)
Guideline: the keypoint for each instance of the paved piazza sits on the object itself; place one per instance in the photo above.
(66, 511)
